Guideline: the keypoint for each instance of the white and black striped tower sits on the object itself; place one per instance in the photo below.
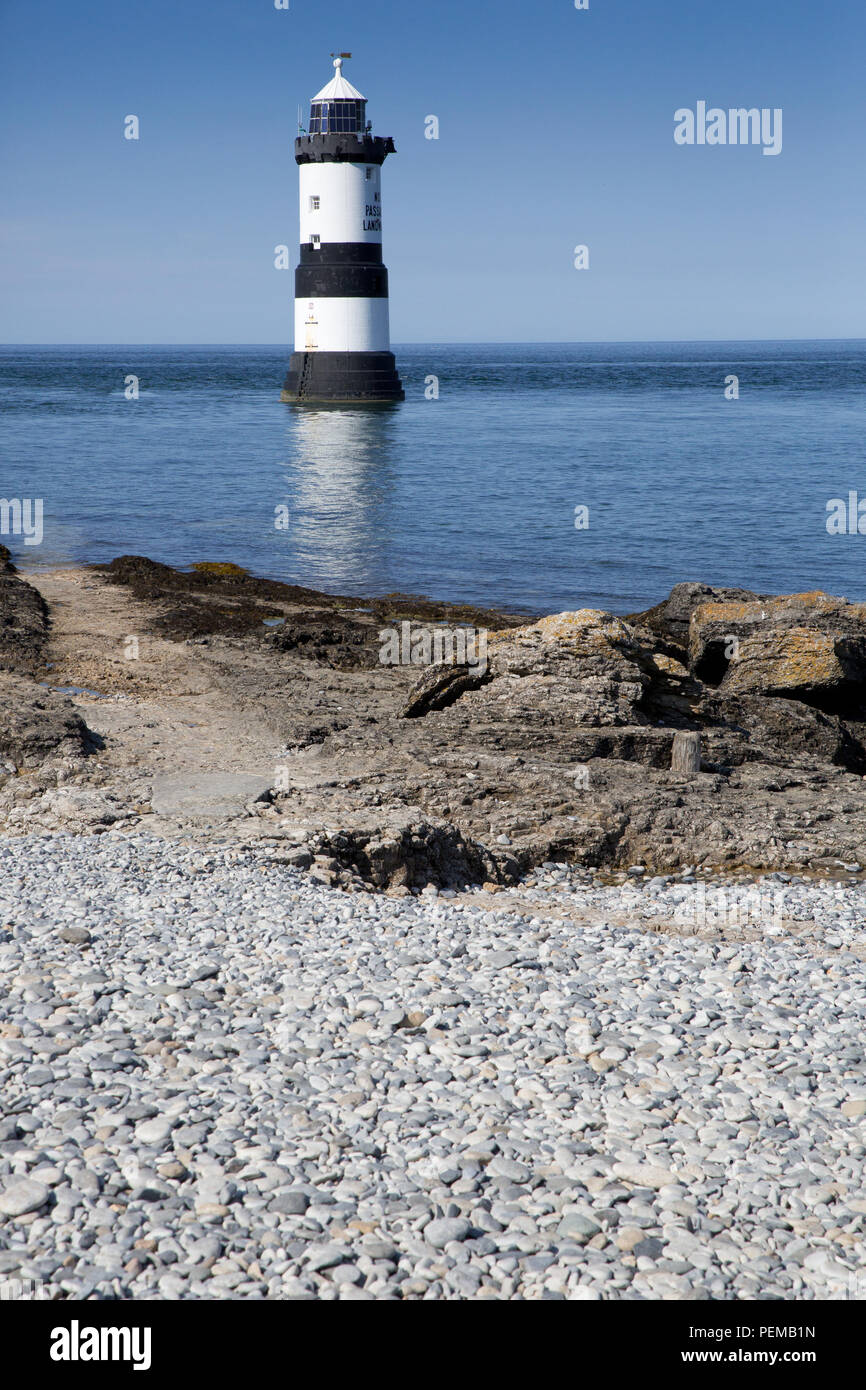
(342, 333)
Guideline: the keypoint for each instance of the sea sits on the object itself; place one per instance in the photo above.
(530, 477)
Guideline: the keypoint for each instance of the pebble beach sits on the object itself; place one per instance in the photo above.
(224, 1079)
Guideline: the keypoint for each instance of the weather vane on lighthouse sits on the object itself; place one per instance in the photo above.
(342, 332)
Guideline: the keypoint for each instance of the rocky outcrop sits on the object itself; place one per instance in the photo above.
(442, 685)
(35, 724)
(805, 647)
(579, 697)
(818, 668)
(414, 853)
(808, 647)
(335, 630)
(554, 745)
(668, 625)
(23, 620)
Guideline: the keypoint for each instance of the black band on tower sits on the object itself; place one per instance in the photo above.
(343, 378)
(343, 149)
(341, 282)
(342, 253)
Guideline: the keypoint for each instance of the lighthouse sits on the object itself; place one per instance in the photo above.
(342, 333)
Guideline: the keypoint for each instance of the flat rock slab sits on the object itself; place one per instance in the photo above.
(23, 1196)
(208, 794)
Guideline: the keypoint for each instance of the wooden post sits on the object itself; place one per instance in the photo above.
(686, 754)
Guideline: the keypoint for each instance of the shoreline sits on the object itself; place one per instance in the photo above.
(208, 698)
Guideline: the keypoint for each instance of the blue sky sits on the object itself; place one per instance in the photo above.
(556, 129)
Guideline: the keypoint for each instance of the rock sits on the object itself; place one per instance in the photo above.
(854, 1109)
(627, 1237)
(650, 1248)
(322, 1257)
(758, 728)
(75, 936)
(440, 686)
(172, 1287)
(23, 1195)
(155, 1134)
(822, 1264)
(507, 1168)
(644, 1174)
(208, 795)
(376, 1249)
(80, 807)
(23, 620)
(204, 972)
(440, 1233)
(35, 723)
(300, 858)
(598, 663)
(577, 1229)
(801, 646)
(290, 1203)
(413, 853)
(670, 621)
(800, 664)
(172, 1170)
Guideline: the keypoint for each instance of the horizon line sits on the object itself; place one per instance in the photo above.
(446, 342)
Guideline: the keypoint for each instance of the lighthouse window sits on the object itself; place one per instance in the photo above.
(337, 117)
(369, 173)
(315, 241)
(314, 204)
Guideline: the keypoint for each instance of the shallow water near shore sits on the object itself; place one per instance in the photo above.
(470, 496)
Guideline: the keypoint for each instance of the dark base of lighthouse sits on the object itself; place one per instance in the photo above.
(342, 378)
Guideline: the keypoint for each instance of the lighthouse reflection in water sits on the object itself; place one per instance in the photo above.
(340, 499)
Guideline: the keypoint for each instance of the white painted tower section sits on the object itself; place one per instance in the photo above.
(341, 202)
(342, 325)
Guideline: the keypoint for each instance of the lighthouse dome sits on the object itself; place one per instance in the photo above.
(338, 89)
(339, 108)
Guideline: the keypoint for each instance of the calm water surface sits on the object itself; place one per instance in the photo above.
(471, 496)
